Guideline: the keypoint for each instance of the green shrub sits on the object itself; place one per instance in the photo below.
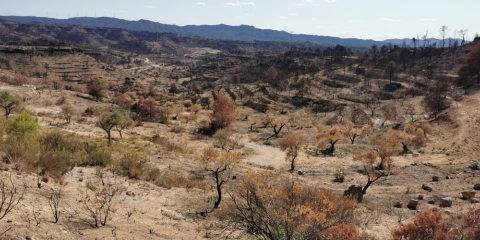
(268, 143)
(339, 175)
(421, 150)
(474, 165)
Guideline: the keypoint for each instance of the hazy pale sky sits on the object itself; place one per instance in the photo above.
(367, 19)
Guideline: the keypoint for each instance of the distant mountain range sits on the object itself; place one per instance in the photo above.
(220, 32)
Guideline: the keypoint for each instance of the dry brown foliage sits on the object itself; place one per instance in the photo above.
(328, 137)
(351, 132)
(196, 108)
(272, 207)
(223, 112)
(291, 145)
(387, 145)
(20, 79)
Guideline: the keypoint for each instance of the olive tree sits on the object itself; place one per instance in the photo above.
(108, 121)
(8, 102)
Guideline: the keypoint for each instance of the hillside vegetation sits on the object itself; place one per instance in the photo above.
(111, 133)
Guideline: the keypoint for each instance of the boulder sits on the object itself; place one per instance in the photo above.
(398, 204)
(446, 202)
(476, 186)
(425, 187)
(435, 178)
(355, 191)
(130, 193)
(412, 204)
(420, 197)
(467, 195)
(415, 154)
(432, 201)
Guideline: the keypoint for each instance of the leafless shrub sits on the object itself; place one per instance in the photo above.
(96, 206)
(54, 198)
(36, 217)
(130, 212)
(10, 196)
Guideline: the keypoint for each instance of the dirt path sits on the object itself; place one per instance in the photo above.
(264, 155)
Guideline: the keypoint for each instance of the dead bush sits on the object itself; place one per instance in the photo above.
(19, 80)
(96, 206)
(342, 231)
(177, 129)
(10, 196)
(174, 179)
(82, 120)
(428, 225)
(170, 144)
(272, 207)
(61, 101)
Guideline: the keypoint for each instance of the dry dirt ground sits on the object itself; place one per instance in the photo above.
(153, 212)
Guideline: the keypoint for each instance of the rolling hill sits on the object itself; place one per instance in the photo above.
(220, 32)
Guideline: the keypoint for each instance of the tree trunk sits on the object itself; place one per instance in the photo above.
(292, 166)
(364, 190)
(109, 138)
(219, 190)
(352, 139)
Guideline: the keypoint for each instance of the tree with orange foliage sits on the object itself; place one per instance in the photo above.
(369, 164)
(351, 132)
(328, 137)
(270, 76)
(194, 88)
(275, 122)
(20, 79)
(124, 101)
(378, 163)
(148, 108)
(418, 133)
(270, 206)
(220, 165)
(223, 112)
(387, 145)
(291, 145)
(471, 66)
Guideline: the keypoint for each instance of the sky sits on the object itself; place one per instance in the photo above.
(364, 19)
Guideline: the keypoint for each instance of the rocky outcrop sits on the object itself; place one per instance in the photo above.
(427, 188)
(412, 204)
(468, 195)
(354, 191)
(446, 202)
